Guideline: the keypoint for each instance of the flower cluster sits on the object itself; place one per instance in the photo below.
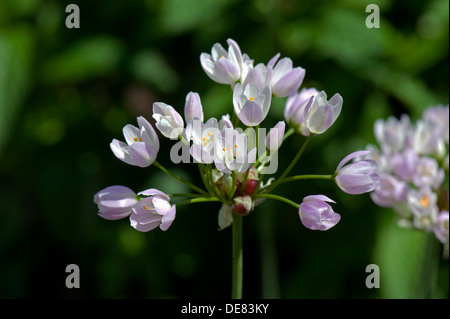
(234, 153)
(413, 165)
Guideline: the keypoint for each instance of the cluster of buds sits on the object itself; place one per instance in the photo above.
(233, 153)
(413, 165)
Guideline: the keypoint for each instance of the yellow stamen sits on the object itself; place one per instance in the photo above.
(424, 201)
(235, 146)
(252, 98)
(140, 139)
(223, 149)
(209, 134)
(135, 139)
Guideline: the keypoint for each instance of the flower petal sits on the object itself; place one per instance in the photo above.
(350, 157)
(251, 114)
(168, 218)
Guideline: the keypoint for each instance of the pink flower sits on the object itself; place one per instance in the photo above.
(153, 211)
(316, 214)
(115, 202)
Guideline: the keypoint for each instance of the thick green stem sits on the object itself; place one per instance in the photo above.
(236, 287)
(431, 267)
(178, 178)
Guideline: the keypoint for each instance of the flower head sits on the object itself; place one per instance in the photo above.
(142, 144)
(441, 226)
(392, 133)
(250, 104)
(316, 214)
(423, 205)
(203, 136)
(115, 202)
(223, 66)
(390, 191)
(294, 110)
(275, 136)
(193, 109)
(358, 177)
(231, 152)
(168, 121)
(322, 113)
(152, 211)
(282, 77)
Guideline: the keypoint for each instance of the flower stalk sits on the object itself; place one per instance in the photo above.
(237, 258)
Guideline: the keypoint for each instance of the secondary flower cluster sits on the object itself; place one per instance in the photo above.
(232, 152)
(413, 167)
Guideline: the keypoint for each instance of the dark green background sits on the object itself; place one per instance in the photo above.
(66, 93)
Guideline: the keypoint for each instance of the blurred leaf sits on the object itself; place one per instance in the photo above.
(91, 57)
(10, 9)
(342, 34)
(178, 16)
(166, 183)
(375, 107)
(412, 92)
(419, 51)
(217, 101)
(151, 67)
(16, 51)
(399, 253)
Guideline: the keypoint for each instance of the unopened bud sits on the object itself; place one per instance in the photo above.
(243, 205)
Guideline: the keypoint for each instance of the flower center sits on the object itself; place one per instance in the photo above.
(207, 139)
(424, 201)
(231, 153)
(252, 98)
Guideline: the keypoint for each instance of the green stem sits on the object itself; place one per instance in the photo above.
(184, 195)
(431, 267)
(236, 287)
(291, 166)
(178, 178)
(302, 177)
(279, 198)
(233, 185)
(203, 171)
(236, 122)
(244, 181)
(182, 139)
(198, 200)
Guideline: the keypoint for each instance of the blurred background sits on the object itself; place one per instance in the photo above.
(66, 93)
